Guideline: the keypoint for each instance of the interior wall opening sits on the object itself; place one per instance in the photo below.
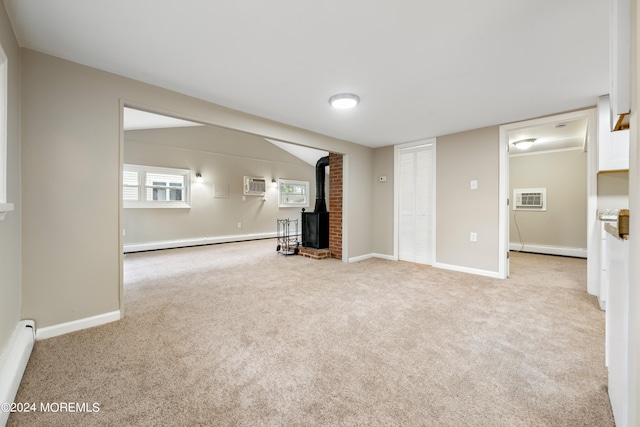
(218, 160)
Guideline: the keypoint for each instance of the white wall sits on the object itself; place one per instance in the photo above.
(634, 223)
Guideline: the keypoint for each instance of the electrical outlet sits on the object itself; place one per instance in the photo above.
(239, 225)
(473, 237)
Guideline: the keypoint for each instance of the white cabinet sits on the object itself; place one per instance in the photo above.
(613, 147)
(620, 69)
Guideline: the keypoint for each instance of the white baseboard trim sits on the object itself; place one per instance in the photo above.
(77, 325)
(384, 256)
(477, 272)
(13, 361)
(183, 243)
(549, 250)
(360, 258)
(372, 255)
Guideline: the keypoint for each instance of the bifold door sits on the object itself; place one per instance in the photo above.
(415, 203)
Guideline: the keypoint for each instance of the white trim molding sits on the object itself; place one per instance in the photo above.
(549, 250)
(384, 256)
(360, 258)
(200, 241)
(477, 272)
(13, 361)
(372, 255)
(77, 325)
(4, 209)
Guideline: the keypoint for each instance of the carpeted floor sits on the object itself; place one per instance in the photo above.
(237, 335)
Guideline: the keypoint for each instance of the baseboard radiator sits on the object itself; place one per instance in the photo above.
(13, 361)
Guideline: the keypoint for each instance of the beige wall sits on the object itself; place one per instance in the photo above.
(71, 157)
(613, 190)
(460, 158)
(564, 175)
(222, 156)
(10, 299)
(383, 201)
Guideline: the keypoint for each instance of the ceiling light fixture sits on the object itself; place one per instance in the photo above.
(344, 100)
(524, 144)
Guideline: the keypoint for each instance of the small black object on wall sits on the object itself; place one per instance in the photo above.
(315, 225)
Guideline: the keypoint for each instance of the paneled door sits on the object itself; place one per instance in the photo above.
(415, 203)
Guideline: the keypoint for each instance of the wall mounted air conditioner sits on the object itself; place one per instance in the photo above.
(530, 199)
(254, 186)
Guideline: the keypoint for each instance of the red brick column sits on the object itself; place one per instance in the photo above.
(335, 205)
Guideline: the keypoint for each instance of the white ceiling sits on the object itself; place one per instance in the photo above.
(559, 135)
(421, 68)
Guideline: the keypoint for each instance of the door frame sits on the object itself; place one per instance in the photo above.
(590, 146)
(396, 192)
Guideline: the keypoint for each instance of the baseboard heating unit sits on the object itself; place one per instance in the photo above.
(13, 361)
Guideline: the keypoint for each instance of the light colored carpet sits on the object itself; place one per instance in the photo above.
(237, 335)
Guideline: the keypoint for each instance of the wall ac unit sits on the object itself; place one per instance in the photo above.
(530, 199)
(254, 186)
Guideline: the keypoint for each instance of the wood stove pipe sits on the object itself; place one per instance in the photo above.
(321, 205)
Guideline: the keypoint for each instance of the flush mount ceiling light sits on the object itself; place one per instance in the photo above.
(524, 144)
(344, 100)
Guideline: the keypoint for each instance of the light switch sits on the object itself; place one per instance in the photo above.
(474, 184)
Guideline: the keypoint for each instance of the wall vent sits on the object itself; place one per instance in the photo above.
(530, 199)
(254, 186)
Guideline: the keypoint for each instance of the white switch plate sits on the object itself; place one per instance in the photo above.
(474, 184)
(473, 237)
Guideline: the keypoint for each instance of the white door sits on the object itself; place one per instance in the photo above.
(415, 204)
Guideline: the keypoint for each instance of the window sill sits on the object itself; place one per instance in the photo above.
(155, 205)
(292, 205)
(4, 209)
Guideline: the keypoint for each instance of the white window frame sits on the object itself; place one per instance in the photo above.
(142, 201)
(4, 106)
(281, 196)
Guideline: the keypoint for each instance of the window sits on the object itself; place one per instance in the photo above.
(293, 193)
(4, 206)
(154, 187)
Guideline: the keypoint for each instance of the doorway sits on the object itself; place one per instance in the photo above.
(518, 132)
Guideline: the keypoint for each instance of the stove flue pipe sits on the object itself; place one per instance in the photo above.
(321, 205)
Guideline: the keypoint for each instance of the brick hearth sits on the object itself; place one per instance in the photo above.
(315, 253)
